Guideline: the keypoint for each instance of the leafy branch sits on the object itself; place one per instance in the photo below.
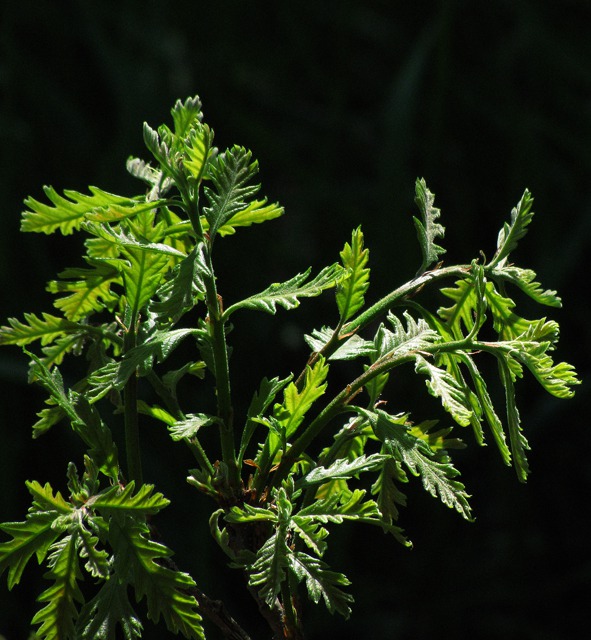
(311, 452)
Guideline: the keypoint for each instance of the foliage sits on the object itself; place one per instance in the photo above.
(305, 457)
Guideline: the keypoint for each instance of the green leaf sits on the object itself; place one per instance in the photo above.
(166, 590)
(45, 328)
(189, 427)
(296, 403)
(256, 212)
(186, 116)
(68, 213)
(287, 294)
(268, 570)
(322, 582)
(488, 409)
(142, 275)
(31, 537)
(525, 280)
(350, 293)
(183, 289)
(261, 401)
(97, 560)
(428, 230)
(354, 347)
(160, 345)
(468, 306)
(443, 385)
(122, 500)
(230, 173)
(344, 469)
(513, 231)
(509, 325)
(110, 608)
(57, 619)
(519, 444)
(387, 491)
(437, 475)
(87, 290)
(123, 239)
(403, 342)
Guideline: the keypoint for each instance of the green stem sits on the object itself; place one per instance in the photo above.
(130, 416)
(339, 403)
(382, 306)
(222, 376)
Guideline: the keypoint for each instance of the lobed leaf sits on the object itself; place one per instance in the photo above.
(230, 174)
(442, 384)
(57, 619)
(189, 427)
(166, 590)
(321, 582)
(287, 294)
(350, 293)
(123, 500)
(436, 475)
(513, 231)
(67, 213)
(428, 230)
(296, 402)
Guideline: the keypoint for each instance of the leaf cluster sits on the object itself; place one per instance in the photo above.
(305, 457)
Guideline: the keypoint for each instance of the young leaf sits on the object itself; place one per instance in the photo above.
(525, 280)
(427, 229)
(354, 347)
(442, 384)
(67, 214)
(31, 537)
(256, 212)
(186, 116)
(417, 336)
(46, 328)
(57, 618)
(184, 288)
(350, 293)
(519, 444)
(296, 403)
(87, 290)
(261, 401)
(123, 501)
(287, 294)
(322, 582)
(165, 590)
(488, 409)
(344, 469)
(230, 173)
(513, 231)
(437, 476)
(189, 427)
(110, 608)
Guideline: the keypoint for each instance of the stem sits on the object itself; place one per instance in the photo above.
(340, 401)
(410, 288)
(222, 375)
(130, 414)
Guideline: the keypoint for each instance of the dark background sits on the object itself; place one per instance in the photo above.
(344, 103)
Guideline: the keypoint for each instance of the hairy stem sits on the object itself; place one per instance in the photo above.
(222, 376)
(130, 415)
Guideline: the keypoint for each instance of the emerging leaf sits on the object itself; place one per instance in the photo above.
(513, 231)
(427, 229)
(350, 293)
